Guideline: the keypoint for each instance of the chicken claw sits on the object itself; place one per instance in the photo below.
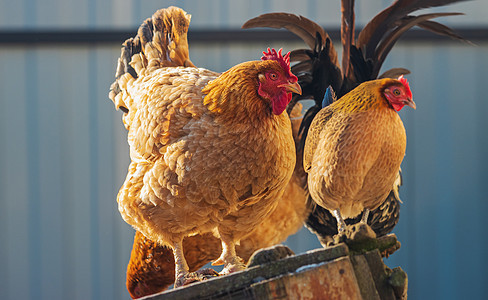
(233, 267)
(191, 277)
(233, 263)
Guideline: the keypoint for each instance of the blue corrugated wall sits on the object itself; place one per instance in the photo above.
(63, 150)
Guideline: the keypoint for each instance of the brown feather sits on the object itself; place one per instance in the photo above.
(299, 25)
(442, 30)
(313, 137)
(384, 21)
(299, 55)
(302, 66)
(347, 33)
(394, 73)
(404, 25)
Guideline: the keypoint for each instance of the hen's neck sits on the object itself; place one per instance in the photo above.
(233, 97)
(364, 97)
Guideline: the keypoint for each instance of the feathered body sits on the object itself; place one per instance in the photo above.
(209, 152)
(151, 268)
(354, 149)
(196, 166)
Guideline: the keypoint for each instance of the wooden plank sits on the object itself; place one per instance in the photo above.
(398, 280)
(332, 273)
(364, 277)
(380, 275)
(241, 280)
(330, 280)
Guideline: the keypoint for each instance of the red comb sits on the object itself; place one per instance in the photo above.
(283, 60)
(404, 81)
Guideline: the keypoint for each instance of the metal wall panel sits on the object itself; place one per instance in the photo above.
(63, 149)
(63, 158)
(14, 177)
(59, 14)
(443, 171)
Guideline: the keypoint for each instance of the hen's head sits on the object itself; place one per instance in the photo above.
(399, 94)
(275, 80)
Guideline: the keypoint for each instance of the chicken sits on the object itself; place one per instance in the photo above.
(355, 146)
(318, 67)
(383, 219)
(151, 266)
(209, 153)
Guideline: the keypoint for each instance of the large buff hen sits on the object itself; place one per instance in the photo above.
(209, 152)
(151, 268)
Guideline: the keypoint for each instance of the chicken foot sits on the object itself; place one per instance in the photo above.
(182, 274)
(233, 263)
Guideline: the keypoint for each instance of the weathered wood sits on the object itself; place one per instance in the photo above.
(360, 238)
(268, 255)
(236, 282)
(399, 282)
(328, 280)
(336, 272)
(380, 275)
(364, 277)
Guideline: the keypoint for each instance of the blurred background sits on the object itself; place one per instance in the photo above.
(64, 155)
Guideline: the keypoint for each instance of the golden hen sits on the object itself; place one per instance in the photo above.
(209, 152)
(363, 56)
(355, 146)
(151, 266)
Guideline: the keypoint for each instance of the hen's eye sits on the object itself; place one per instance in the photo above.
(396, 92)
(273, 76)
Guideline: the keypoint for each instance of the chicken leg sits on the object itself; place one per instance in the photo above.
(182, 274)
(341, 225)
(232, 262)
(181, 267)
(365, 216)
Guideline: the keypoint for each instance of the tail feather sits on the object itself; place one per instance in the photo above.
(347, 33)
(299, 25)
(386, 20)
(403, 25)
(161, 41)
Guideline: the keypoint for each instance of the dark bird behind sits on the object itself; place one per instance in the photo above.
(362, 58)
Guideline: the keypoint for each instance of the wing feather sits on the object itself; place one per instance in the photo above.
(312, 140)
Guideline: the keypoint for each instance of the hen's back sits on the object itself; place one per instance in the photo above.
(161, 41)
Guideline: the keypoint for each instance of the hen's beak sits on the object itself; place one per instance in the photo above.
(292, 87)
(409, 102)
